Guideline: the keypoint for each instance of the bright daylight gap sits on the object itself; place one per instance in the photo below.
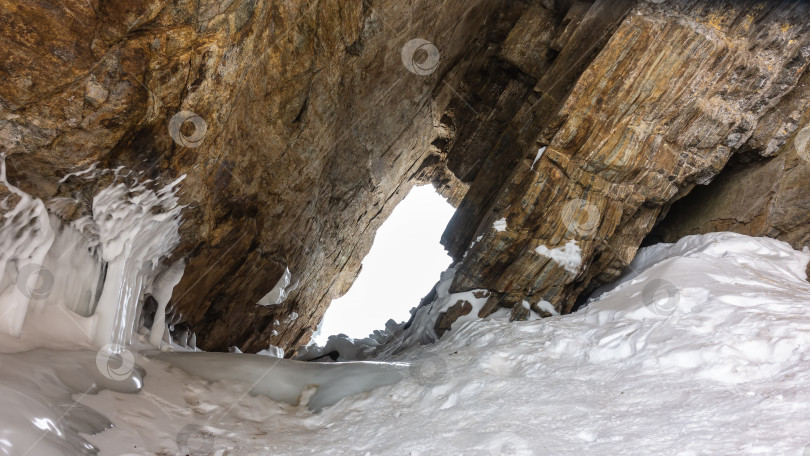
(403, 264)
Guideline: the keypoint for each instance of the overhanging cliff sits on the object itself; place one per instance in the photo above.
(314, 119)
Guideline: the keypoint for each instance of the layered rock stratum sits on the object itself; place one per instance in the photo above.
(300, 124)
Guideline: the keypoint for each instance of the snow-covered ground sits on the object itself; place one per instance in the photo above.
(701, 349)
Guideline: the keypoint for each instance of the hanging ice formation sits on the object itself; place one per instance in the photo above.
(81, 284)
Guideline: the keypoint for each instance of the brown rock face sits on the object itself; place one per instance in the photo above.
(308, 121)
(677, 89)
(316, 127)
(763, 198)
(446, 319)
(763, 193)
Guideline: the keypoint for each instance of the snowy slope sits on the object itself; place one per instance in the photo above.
(701, 349)
(710, 359)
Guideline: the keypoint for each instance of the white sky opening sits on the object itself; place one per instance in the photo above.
(400, 269)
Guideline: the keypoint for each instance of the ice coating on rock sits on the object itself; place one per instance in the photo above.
(538, 156)
(50, 277)
(79, 285)
(90, 172)
(137, 227)
(75, 286)
(25, 237)
(272, 351)
(280, 291)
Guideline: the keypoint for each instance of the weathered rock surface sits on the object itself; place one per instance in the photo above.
(763, 193)
(446, 319)
(768, 198)
(317, 125)
(316, 129)
(678, 88)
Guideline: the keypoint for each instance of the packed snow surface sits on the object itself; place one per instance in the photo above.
(39, 393)
(700, 349)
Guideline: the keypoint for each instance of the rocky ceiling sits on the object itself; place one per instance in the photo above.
(313, 118)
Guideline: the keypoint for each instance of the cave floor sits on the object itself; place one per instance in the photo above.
(701, 348)
(723, 371)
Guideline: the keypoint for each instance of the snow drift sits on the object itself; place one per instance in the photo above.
(699, 349)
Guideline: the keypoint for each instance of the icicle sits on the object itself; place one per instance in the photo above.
(167, 336)
(162, 292)
(133, 239)
(181, 338)
(81, 284)
(25, 237)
